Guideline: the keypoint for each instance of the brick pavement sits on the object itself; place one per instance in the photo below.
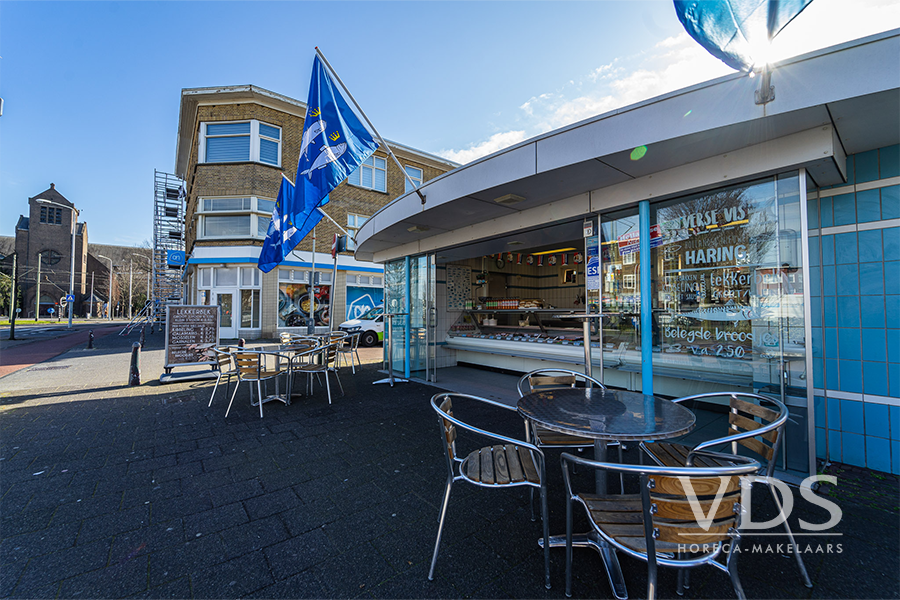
(108, 491)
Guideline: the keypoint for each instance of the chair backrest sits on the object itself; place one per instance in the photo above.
(353, 340)
(447, 427)
(750, 424)
(223, 359)
(286, 338)
(672, 502)
(247, 364)
(549, 379)
(329, 353)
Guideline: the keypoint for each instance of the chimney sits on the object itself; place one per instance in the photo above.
(52, 186)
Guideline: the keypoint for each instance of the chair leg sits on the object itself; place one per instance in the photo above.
(233, 394)
(437, 543)
(545, 516)
(213, 395)
(732, 570)
(259, 392)
(568, 547)
(787, 528)
(328, 387)
(338, 377)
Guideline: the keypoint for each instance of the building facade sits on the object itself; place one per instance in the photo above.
(730, 245)
(234, 144)
(44, 249)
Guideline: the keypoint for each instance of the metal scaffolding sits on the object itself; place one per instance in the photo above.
(168, 237)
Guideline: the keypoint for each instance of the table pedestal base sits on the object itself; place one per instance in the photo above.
(607, 553)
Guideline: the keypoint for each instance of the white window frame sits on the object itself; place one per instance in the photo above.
(254, 142)
(259, 217)
(372, 164)
(353, 226)
(417, 178)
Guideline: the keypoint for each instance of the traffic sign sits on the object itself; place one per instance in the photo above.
(70, 297)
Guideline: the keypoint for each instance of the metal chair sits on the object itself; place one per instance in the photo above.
(251, 368)
(322, 362)
(506, 463)
(226, 367)
(350, 349)
(661, 524)
(750, 424)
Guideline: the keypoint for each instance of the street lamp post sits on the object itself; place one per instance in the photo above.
(76, 213)
(109, 293)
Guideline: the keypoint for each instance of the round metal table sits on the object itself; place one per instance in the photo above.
(605, 415)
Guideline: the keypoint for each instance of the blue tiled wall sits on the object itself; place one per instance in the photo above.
(855, 314)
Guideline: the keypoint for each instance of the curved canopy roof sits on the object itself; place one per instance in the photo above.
(828, 104)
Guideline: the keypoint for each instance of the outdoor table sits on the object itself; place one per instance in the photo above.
(605, 415)
(292, 353)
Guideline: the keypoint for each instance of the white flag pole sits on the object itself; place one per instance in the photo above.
(369, 123)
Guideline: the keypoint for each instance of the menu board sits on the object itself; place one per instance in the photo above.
(190, 332)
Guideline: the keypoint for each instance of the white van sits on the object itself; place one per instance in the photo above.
(371, 324)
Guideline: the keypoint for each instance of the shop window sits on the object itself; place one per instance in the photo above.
(416, 175)
(372, 174)
(205, 278)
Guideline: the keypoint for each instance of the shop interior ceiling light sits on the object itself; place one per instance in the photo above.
(508, 199)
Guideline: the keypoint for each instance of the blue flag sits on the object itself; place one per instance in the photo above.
(282, 236)
(731, 30)
(335, 142)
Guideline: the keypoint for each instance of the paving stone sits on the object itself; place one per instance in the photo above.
(49, 568)
(254, 535)
(234, 579)
(216, 519)
(301, 585)
(299, 553)
(116, 581)
(350, 573)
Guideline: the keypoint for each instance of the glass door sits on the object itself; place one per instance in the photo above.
(422, 318)
(226, 300)
(409, 292)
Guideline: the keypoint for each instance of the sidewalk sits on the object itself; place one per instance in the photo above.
(110, 491)
(32, 347)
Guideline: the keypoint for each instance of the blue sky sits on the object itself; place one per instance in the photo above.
(92, 90)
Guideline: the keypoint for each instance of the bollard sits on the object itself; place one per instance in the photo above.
(241, 343)
(151, 328)
(134, 377)
(142, 337)
(90, 340)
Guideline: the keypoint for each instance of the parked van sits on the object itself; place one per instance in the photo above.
(371, 324)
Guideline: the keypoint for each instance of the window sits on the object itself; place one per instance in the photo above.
(372, 174)
(414, 174)
(50, 257)
(354, 222)
(249, 217)
(242, 141)
(250, 309)
(628, 282)
(51, 215)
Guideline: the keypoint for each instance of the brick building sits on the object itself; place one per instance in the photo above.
(45, 235)
(234, 143)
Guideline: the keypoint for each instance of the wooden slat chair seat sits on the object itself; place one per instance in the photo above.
(659, 525)
(751, 425)
(506, 463)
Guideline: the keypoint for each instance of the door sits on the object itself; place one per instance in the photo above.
(422, 318)
(228, 323)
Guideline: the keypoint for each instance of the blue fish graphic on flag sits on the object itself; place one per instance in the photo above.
(730, 30)
(334, 143)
